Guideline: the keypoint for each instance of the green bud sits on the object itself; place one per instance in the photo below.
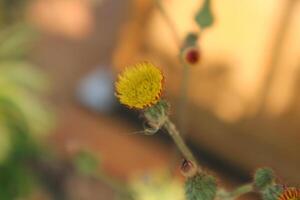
(263, 178)
(271, 192)
(190, 40)
(201, 187)
(156, 116)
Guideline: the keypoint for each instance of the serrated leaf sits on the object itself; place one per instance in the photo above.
(263, 177)
(201, 187)
(204, 16)
(272, 192)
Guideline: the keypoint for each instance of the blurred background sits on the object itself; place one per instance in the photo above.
(63, 134)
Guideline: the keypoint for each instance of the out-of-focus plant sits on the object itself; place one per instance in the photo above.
(11, 11)
(24, 120)
(157, 185)
(23, 123)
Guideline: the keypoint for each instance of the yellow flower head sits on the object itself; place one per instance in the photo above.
(140, 85)
(290, 194)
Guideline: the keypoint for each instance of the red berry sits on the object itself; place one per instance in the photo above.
(192, 55)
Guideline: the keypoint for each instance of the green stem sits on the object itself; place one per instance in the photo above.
(242, 190)
(183, 95)
(178, 140)
(237, 192)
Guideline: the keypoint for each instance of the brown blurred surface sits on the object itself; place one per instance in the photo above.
(119, 148)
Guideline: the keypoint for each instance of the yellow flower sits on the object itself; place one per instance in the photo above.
(140, 85)
(290, 194)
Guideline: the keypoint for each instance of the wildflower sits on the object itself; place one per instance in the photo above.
(290, 194)
(140, 85)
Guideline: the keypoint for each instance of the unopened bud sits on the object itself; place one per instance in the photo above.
(188, 168)
(263, 178)
(191, 55)
(272, 192)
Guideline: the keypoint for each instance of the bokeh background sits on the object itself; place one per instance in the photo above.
(58, 63)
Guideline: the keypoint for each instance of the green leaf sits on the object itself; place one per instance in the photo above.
(201, 187)
(23, 75)
(16, 180)
(272, 192)
(263, 177)
(204, 16)
(5, 142)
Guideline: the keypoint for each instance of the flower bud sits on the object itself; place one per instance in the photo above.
(272, 192)
(263, 177)
(188, 168)
(191, 55)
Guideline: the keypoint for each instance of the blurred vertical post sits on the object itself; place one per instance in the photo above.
(273, 65)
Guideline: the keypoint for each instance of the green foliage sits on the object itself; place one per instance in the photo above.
(19, 86)
(23, 118)
(201, 187)
(271, 192)
(263, 178)
(14, 42)
(11, 11)
(5, 142)
(86, 163)
(264, 181)
(204, 16)
(156, 116)
(16, 180)
(16, 177)
(156, 185)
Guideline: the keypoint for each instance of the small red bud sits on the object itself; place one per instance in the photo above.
(192, 55)
(188, 168)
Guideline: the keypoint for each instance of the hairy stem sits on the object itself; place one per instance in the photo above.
(178, 140)
(244, 189)
(183, 95)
